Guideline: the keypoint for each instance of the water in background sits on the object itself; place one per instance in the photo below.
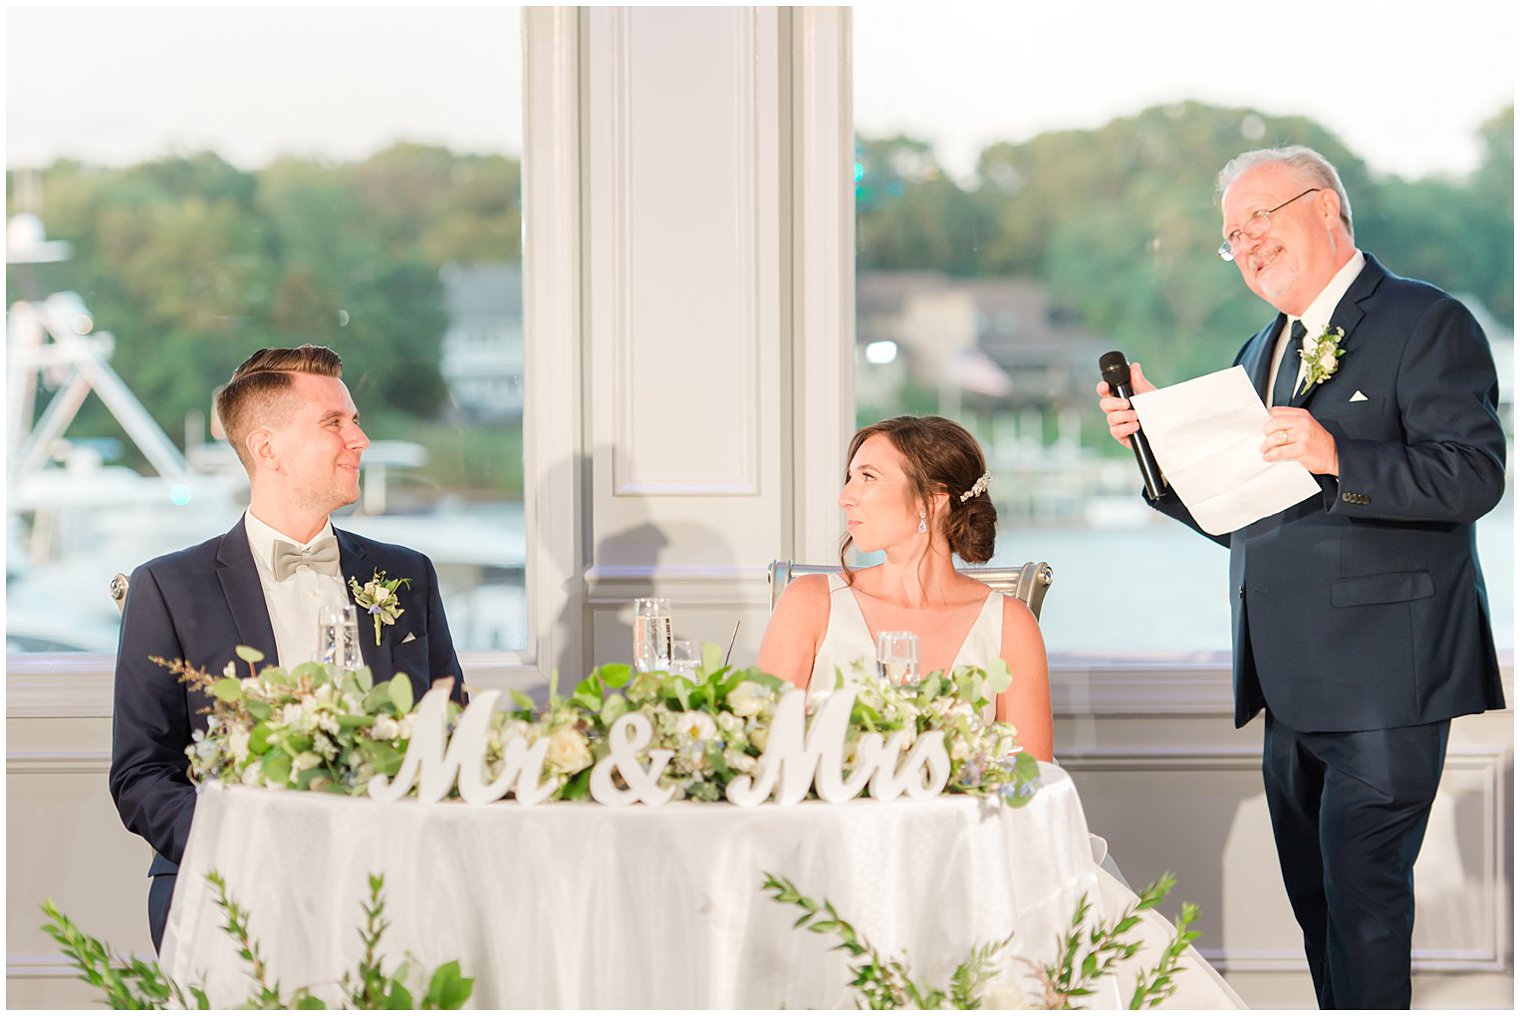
(1161, 587)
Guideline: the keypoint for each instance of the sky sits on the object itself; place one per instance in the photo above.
(119, 85)
(1404, 82)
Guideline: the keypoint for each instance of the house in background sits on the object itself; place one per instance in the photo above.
(997, 338)
(482, 354)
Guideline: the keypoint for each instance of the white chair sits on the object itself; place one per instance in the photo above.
(119, 591)
(1029, 581)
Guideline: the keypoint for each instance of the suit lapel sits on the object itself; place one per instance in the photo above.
(239, 578)
(1348, 314)
(355, 561)
(1258, 357)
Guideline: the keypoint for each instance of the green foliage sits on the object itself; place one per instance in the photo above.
(138, 984)
(1120, 222)
(192, 263)
(1085, 955)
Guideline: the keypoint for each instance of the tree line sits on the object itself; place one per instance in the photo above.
(1121, 223)
(192, 262)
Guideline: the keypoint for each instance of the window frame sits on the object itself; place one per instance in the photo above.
(80, 684)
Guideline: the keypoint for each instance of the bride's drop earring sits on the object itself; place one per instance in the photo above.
(923, 522)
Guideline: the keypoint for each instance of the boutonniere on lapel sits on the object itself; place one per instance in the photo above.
(378, 596)
(1321, 357)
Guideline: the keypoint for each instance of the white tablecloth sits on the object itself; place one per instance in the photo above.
(580, 905)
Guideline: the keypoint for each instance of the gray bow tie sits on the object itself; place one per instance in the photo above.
(320, 557)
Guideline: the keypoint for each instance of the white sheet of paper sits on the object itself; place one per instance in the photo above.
(1207, 436)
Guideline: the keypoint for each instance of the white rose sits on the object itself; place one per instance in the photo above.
(407, 721)
(1327, 361)
(696, 725)
(730, 724)
(748, 699)
(384, 729)
(382, 595)
(568, 752)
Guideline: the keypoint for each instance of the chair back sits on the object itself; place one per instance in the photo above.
(119, 591)
(1029, 581)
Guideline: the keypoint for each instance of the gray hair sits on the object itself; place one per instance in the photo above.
(1304, 161)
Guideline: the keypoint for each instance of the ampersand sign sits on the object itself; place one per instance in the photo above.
(628, 736)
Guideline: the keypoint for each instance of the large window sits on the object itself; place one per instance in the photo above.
(1035, 187)
(187, 185)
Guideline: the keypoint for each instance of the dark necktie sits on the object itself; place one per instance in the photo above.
(1287, 370)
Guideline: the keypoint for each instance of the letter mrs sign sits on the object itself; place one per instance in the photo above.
(798, 756)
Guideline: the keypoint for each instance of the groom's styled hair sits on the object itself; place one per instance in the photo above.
(258, 385)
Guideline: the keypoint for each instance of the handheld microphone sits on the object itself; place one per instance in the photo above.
(1115, 370)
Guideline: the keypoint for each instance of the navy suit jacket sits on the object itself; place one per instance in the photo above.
(198, 605)
(1364, 608)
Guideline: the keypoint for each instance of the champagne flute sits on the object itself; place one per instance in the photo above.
(897, 656)
(685, 659)
(651, 633)
(338, 636)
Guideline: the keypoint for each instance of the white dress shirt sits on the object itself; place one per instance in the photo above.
(294, 603)
(1316, 317)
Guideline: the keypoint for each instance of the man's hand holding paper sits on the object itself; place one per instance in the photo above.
(1207, 435)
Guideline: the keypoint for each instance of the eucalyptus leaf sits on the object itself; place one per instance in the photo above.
(311, 670)
(277, 768)
(248, 654)
(228, 689)
(401, 693)
(258, 738)
(258, 709)
(365, 677)
(521, 699)
(615, 675)
(614, 707)
(999, 677)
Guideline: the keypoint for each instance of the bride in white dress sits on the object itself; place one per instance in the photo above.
(916, 488)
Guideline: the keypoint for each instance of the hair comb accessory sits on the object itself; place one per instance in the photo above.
(979, 487)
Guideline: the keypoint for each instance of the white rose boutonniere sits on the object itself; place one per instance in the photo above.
(378, 597)
(1321, 357)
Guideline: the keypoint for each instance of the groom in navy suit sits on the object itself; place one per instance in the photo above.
(1361, 623)
(289, 416)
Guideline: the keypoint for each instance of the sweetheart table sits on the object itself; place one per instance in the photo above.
(579, 905)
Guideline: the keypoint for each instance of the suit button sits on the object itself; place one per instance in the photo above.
(1349, 498)
(1242, 592)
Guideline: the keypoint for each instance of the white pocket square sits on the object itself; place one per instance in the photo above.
(1357, 396)
(412, 636)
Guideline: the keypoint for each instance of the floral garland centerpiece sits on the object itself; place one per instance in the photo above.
(314, 727)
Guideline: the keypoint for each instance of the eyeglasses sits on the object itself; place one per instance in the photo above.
(1255, 227)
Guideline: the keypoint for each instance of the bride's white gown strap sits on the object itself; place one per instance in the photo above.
(848, 637)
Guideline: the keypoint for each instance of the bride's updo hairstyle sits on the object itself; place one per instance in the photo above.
(940, 455)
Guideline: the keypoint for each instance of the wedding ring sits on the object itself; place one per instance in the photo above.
(1282, 437)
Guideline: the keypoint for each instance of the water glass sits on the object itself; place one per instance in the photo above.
(685, 659)
(338, 637)
(651, 633)
(897, 656)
